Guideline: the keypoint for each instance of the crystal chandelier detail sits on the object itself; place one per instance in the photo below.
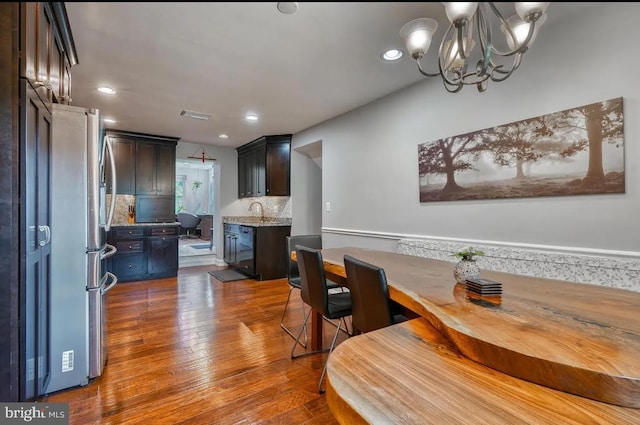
(459, 63)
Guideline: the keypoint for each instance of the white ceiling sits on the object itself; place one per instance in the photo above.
(229, 59)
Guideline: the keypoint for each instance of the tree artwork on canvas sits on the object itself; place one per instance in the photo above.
(577, 151)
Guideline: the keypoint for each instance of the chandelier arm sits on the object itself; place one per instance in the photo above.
(498, 74)
(423, 72)
(485, 37)
(522, 47)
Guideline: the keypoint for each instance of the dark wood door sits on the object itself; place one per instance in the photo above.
(36, 237)
(165, 169)
(145, 168)
(259, 178)
(242, 163)
(45, 41)
(249, 172)
(278, 169)
(163, 255)
(124, 152)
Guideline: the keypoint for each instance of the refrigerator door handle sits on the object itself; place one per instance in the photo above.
(113, 184)
(109, 251)
(47, 234)
(114, 280)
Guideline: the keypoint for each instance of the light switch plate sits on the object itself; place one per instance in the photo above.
(327, 206)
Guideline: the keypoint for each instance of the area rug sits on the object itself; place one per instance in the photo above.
(200, 246)
(228, 275)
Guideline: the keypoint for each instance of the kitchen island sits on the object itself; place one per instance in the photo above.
(256, 246)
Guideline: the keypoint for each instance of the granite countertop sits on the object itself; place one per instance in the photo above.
(145, 224)
(257, 221)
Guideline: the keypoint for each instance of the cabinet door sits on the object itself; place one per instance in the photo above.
(55, 69)
(259, 178)
(165, 170)
(45, 41)
(145, 168)
(66, 82)
(163, 255)
(124, 151)
(278, 169)
(35, 158)
(249, 169)
(29, 40)
(242, 163)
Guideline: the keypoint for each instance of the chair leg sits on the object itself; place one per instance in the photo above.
(324, 369)
(304, 326)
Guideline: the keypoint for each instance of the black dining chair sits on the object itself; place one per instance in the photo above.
(315, 293)
(293, 276)
(371, 306)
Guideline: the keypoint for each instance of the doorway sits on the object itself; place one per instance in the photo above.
(195, 193)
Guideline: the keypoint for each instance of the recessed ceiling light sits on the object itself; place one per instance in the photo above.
(109, 120)
(251, 117)
(288, 7)
(195, 115)
(392, 55)
(223, 136)
(106, 90)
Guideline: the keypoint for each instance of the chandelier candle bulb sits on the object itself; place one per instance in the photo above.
(468, 54)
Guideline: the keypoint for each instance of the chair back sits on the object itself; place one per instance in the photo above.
(313, 283)
(188, 220)
(310, 241)
(367, 283)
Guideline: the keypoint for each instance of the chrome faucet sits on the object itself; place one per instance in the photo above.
(261, 209)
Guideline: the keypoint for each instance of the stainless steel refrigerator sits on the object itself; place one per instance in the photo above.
(79, 222)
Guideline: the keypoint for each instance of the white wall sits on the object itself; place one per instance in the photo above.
(306, 195)
(370, 171)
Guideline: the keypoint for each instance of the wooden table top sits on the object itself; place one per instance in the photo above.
(577, 338)
(410, 374)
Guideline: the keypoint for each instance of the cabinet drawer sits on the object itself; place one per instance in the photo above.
(129, 233)
(162, 231)
(125, 247)
(130, 267)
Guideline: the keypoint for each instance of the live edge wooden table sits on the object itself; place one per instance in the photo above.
(549, 352)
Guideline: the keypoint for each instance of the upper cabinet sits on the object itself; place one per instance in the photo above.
(264, 167)
(47, 50)
(145, 167)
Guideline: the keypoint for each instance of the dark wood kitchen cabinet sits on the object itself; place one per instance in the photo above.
(257, 251)
(155, 169)
(264, 167)
(144, 252)
(124, 154)
(146, 168)
(48, 50)
(36, 44)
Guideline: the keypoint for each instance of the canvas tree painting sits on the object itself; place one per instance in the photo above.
(577, 151)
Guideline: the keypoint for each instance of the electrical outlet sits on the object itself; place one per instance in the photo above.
(327, 206)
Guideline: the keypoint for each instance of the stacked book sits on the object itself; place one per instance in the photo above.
(484, 287)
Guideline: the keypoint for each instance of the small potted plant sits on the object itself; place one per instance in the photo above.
(467, 266)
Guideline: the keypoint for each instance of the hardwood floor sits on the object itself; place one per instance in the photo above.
(193, 350)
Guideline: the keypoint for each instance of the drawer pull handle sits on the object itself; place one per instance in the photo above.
(130, 266)
(130, 247)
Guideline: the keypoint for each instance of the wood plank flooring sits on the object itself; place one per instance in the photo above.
(193, 350)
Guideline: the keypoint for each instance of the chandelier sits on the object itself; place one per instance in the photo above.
(459, 64)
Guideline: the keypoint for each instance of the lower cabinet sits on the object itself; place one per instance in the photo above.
(258, 251)
(144, 252)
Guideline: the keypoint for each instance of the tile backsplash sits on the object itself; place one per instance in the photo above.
(274, 206)
(121, 212)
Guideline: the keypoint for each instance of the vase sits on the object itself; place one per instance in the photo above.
(465, 269)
